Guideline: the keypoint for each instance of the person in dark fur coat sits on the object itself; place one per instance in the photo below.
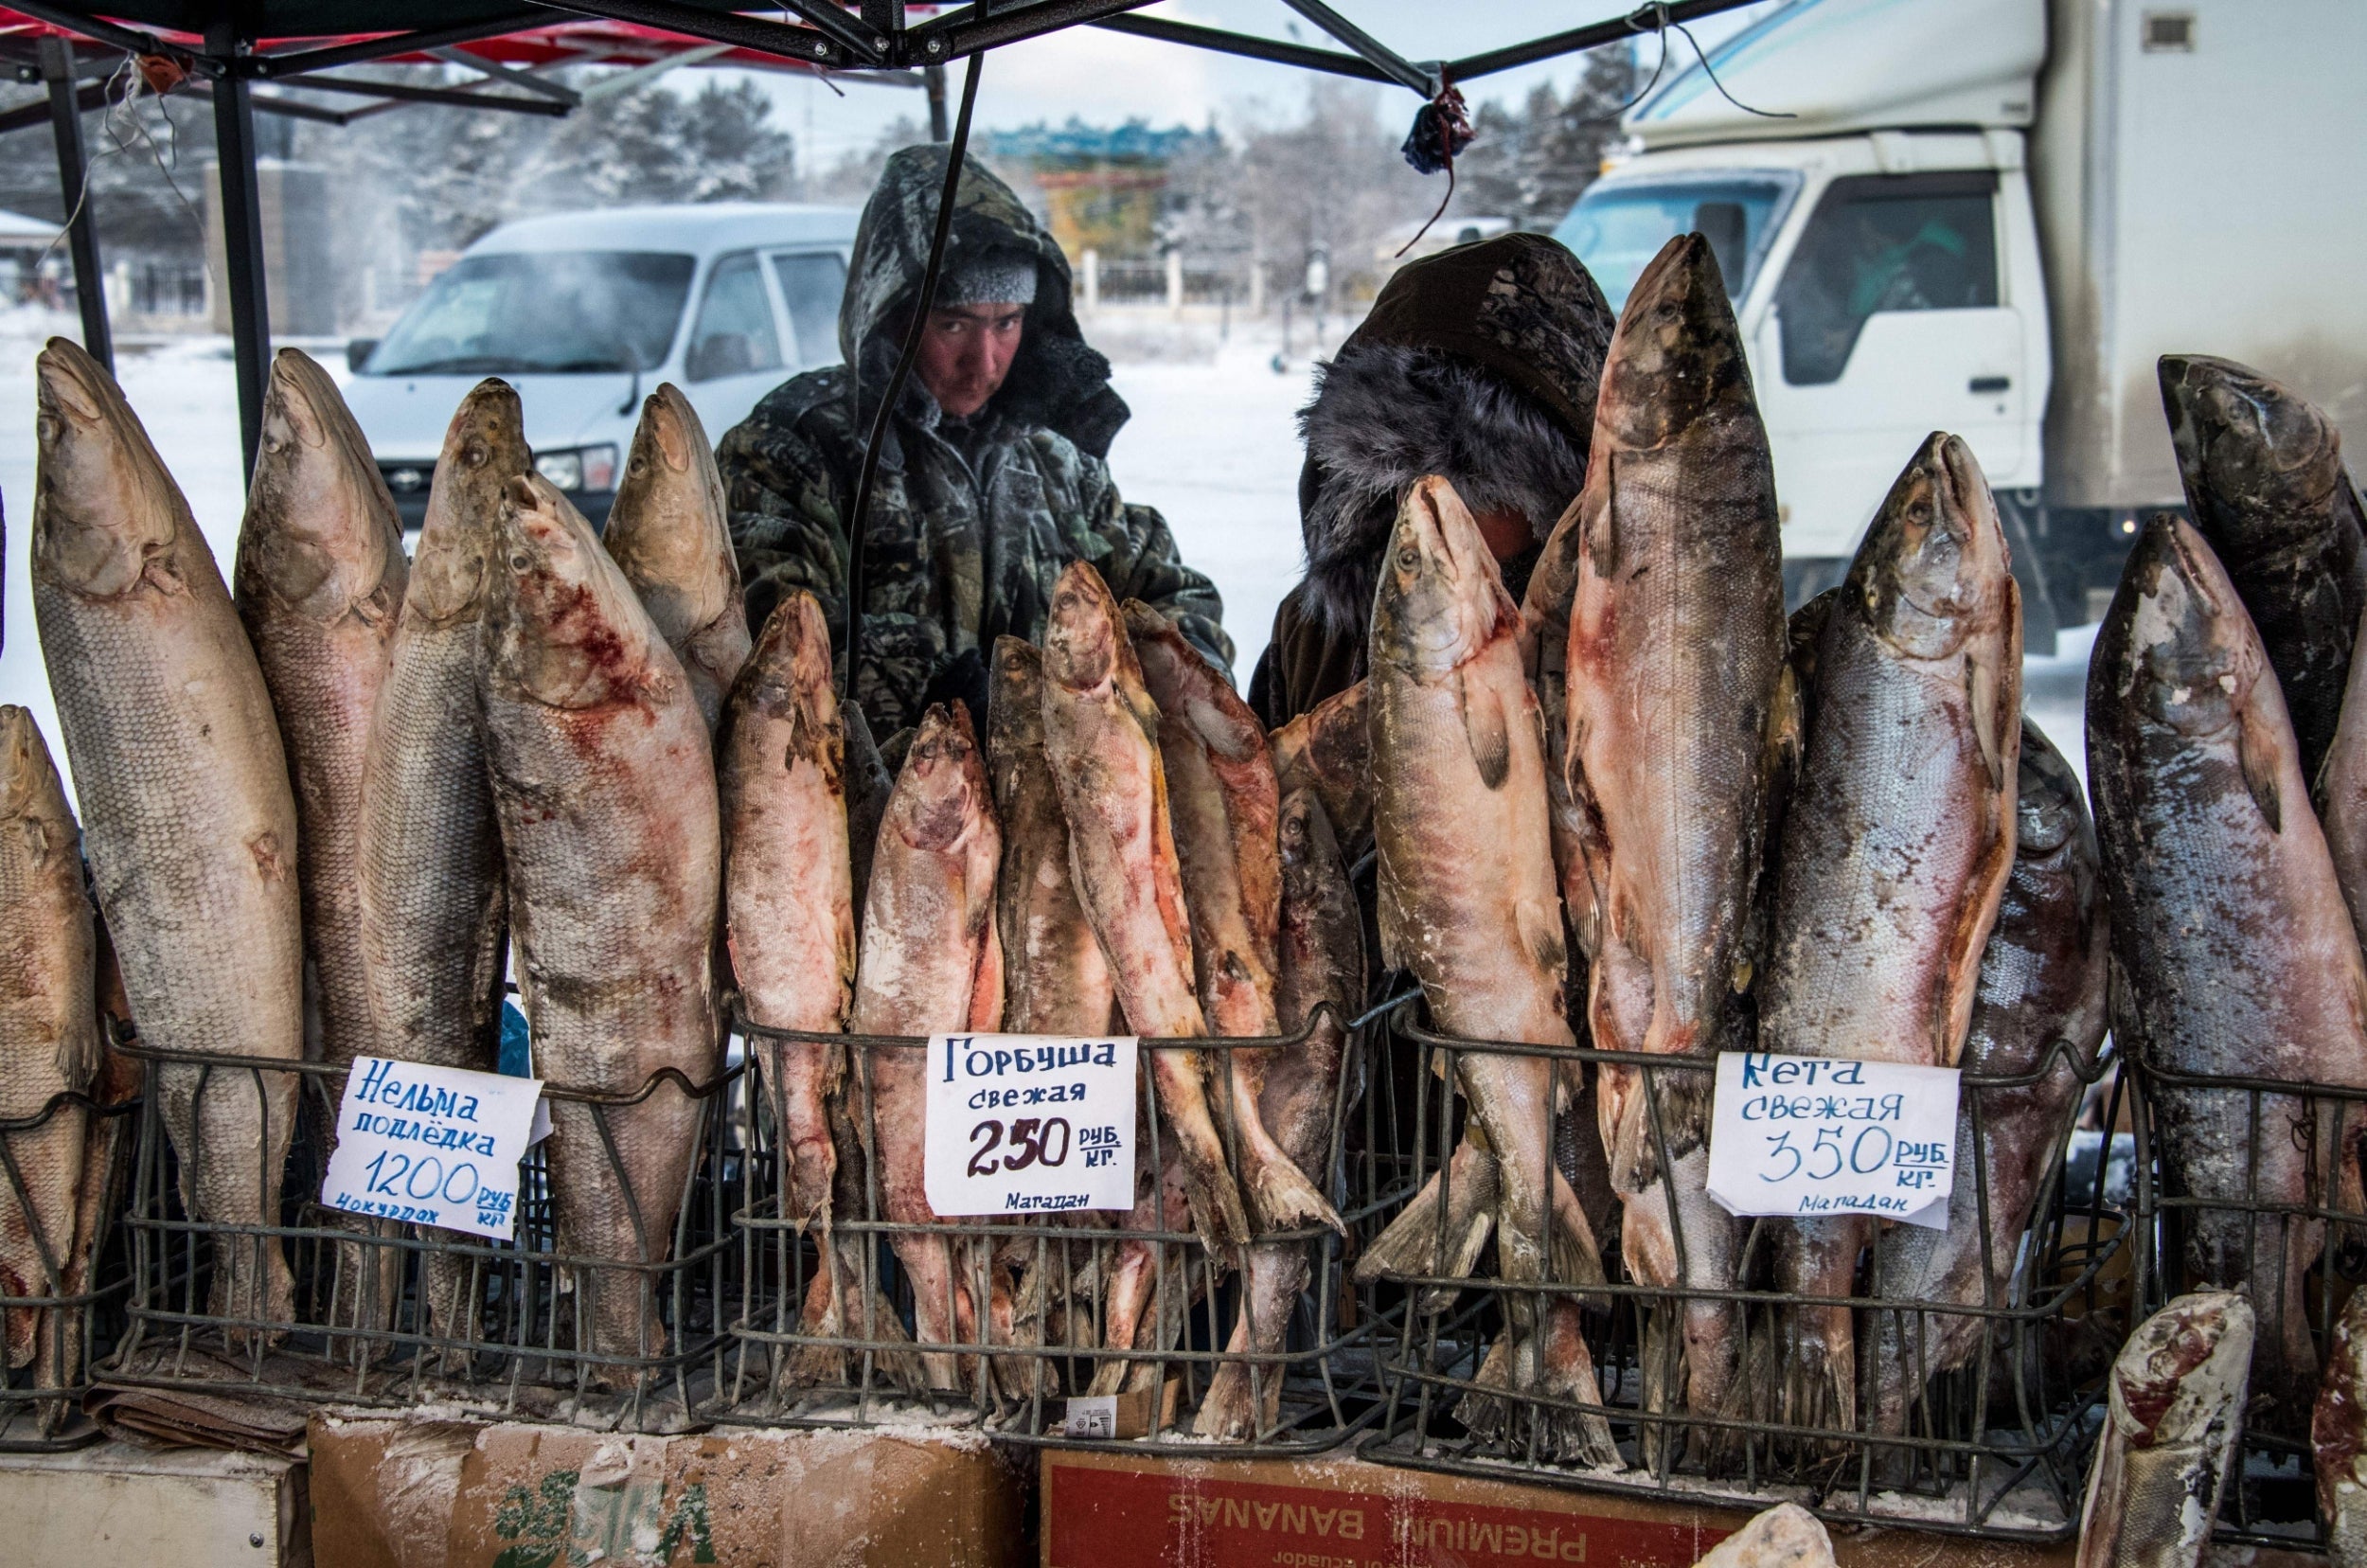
(1481, 364)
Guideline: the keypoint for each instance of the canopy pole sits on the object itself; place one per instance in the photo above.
(241, 238)
(65, 118)
(933, 79)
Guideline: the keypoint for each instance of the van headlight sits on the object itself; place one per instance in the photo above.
(591, 468)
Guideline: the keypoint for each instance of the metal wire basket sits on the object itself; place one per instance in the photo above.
(1995, 1445)
(78, 1310)
(2318, 1233)
(520, 1338)
(1314, 1391)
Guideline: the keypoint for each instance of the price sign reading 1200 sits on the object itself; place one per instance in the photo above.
(1821, 1135)
(1023, 1124)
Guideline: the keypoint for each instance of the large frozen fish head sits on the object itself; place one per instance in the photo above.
(485, 447)
(1676, 355)
(104, 510)
(1441, 599)
(565, 628)
(2260, 462)
(321, 533)
(1084, 638)
(2189, 653)
(940, 796)
(1933, 570)
(666, 528)
(788, 678)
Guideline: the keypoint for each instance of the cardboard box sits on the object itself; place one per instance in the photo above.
(414, 1492)
(1342, 1513)
(121, 1505)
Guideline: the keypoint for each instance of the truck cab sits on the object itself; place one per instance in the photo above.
(1886, 286)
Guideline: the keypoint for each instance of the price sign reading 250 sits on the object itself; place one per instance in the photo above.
(1027, 1141)
(1020, 1124)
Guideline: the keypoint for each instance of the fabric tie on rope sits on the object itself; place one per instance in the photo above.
(1442, 128)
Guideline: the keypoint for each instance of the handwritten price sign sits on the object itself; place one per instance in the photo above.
(435, 1146)
(1029, 1124)
(1804, 1135)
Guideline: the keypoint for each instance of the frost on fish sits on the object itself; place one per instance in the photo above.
(2173, 1412)
(2231, 935)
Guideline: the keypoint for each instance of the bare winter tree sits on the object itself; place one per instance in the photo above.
(1332, 178)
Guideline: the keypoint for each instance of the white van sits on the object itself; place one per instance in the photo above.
(584, 314)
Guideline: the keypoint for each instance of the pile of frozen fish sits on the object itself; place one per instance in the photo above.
(1643, 802)
(1119, 854)
(329, 812)
(321, 808)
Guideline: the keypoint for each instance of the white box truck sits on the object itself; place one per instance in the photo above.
(1991, 217)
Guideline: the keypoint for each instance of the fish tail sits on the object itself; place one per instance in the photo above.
(1817, 1348)
(1214, 1200)
(1422, 1239)
(1550, 1366)
(1283, 1199)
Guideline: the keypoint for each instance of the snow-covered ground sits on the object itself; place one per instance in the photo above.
(1211, 444)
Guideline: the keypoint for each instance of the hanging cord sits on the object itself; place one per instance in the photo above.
(1441, 130)
(123, 93)
(956, 150)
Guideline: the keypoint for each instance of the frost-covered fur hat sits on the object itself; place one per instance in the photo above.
(1480, 364)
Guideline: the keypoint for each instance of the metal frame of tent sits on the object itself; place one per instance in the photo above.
(227, 50)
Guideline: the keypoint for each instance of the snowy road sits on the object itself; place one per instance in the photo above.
(1212, 445)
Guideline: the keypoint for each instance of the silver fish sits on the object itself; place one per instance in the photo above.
(2338, 1437)
(1895, 847)
(319, 582)
(429, 879)
(604, 783)
(2236, 954)
(187, 817)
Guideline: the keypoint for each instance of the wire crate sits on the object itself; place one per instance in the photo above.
(1320, 1387)
(78, 1310)
(1995, 1445)
(2315, 1229)
(524, 1334)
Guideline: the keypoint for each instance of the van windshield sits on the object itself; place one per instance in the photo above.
(1618, 226)
(548, 311)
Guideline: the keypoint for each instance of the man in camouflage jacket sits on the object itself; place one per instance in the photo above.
(971, 519)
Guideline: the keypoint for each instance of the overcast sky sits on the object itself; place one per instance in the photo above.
(1105, 77)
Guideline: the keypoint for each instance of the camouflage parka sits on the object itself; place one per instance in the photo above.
(971, 522)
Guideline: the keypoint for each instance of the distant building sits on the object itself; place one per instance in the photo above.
(1102, 185)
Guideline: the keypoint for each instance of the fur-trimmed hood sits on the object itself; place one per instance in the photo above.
(1480, 364)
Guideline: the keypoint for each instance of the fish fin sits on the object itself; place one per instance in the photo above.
(1976, 916)
(80, 1054)
(1389, 915)
(1575, 1256)
(986, 992)
(1994, 722)
(1487, 729)
(1541, 935)
(2257, 751)
(1423, 1240)
(1581, 839)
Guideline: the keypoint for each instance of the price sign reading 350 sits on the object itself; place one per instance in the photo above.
(1023, 1124)
(1820, 1135)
